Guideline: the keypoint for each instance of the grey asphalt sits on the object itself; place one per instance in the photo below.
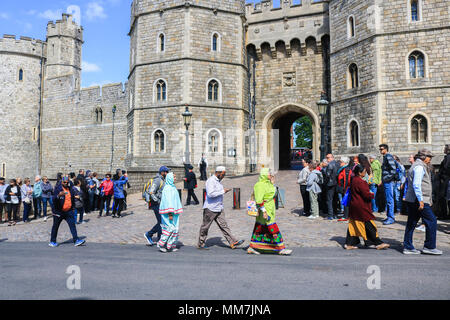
(110, 271)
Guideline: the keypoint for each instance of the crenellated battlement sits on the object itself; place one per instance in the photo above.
(109, 91)
(65, 27)
(265, 10)
(23, 45)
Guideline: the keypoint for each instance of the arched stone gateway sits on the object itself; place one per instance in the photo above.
(275, 150)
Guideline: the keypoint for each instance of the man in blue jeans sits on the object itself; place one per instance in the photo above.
(388, 177)
(419, 200)
(63, 206)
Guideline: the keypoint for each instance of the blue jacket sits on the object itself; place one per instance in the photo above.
(58, 202)
(118, 187)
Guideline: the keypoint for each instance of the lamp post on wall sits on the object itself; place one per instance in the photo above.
(187, 117)
(322, 104)
(114, 109)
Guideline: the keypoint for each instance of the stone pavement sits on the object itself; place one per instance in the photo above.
(297, 231)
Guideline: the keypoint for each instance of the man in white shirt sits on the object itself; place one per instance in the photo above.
(213, 210)
(302, 178)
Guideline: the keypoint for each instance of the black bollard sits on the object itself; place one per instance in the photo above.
(236, 198)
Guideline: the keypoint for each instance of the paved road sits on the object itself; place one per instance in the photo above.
(32, 270)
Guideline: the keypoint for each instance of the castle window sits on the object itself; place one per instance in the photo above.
(215, 38)
(415, 10)
(158, 138)
(419, 129)
(21, 75)
(161, 90)
(214, 141)
(353, 79)
(351, 27)
(99, 115)
(354, 134)
(416, 65)
(213, 91)
(3, 170)
(34, 134)
(162, 42)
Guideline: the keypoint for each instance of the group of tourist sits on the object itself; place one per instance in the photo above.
(348, 188)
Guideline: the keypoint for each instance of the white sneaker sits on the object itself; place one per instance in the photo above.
(432, 251)
(413, 251)
(421, 228)
(285, 252)
(252, 251)
(163, 250)
(313, 217)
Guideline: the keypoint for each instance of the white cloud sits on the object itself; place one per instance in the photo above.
(51, 14)
(31, 12)
(90, 67)
(4, 15)
(95, 11)
(27, 27)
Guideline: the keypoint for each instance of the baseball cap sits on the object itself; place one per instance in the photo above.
(164, 169)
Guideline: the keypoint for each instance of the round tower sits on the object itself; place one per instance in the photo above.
(21, 63)
(187, 54)
(64, 43)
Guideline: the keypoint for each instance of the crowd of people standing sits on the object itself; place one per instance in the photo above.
(328, 185)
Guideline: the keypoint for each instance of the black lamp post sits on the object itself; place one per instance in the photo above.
(114, 109)
(322, 104)
(187, 117)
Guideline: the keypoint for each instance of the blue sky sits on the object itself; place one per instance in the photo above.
(105, 22)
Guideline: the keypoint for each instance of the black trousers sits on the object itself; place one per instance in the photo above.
(118, 206)
(306, 201)
(191, 193)
(203, 174)
(3, 208)
(331, 200)
(13, 211)
(107, 200)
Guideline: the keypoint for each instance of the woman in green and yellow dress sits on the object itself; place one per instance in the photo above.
(266, 237)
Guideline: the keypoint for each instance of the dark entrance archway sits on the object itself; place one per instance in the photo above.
(286, 140)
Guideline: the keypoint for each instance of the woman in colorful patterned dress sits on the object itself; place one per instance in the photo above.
(170, 209)
(266, 237)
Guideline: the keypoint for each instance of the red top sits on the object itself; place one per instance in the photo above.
(360, 204)
(108, 187)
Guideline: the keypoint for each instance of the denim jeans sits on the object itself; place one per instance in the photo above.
(26, 211)
(340, 195)
(389, 193)
(69, 217)
(44, 205)
(398, 197)
(157, 227)
(429, 220)
(374, 188)
(37, 206)
(80, 212)
(331, 190)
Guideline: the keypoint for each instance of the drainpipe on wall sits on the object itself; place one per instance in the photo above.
(41, 78)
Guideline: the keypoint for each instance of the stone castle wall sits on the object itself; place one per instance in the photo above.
(20, 105)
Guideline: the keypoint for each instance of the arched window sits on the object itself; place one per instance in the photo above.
(213, 141)
(354, 134)
(215, 42)
(416, 65)
(351, 27)
(419, 129)
(99, 115)
(415, 10)
(21, 75)
(162, 42)
(213, 90)
(158, 139)
(161, 90)
(353, 79)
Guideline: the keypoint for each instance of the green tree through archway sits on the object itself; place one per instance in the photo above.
(303, 132)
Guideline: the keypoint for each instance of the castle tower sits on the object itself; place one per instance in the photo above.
(186, 53)
(64, 42)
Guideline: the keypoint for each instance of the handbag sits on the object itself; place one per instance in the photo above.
(347, 198)
(252, 210)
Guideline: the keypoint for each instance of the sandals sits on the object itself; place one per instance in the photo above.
(252, 251)
(383, 246)
(347, 247)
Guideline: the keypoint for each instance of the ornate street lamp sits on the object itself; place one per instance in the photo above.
(322, 104)
(187, 117)
(114, 109)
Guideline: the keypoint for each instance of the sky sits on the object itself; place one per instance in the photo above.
(106, 24)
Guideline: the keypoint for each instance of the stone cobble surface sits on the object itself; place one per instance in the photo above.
(297, 231)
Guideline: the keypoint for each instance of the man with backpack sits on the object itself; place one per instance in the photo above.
(389, 175)
(331, 183)
(154, 196)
